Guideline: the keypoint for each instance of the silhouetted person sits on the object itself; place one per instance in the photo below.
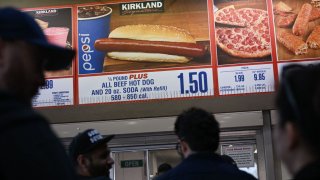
(229, 160)
(163, 168)
(90, 155)
(29, 148)
(198, 134)
(297, 134)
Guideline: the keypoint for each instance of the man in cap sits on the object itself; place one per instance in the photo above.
(90, 155)
(29, 148)
(297, 134)
(198, 134)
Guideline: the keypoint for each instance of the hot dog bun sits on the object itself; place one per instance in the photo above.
(151, 33)
(148, 57)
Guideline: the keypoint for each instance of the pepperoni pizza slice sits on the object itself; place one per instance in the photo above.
(243, 42)
(253, 16)
(252, 41)
(229, 16)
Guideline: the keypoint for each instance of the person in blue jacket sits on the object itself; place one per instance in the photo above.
(198, 140)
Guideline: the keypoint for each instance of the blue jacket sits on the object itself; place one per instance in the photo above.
(29, 148)
(93, 178)
(205, 166)
(309, 172)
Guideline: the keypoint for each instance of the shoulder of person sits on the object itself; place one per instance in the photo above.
(93, 178)
(101, 178)
(246, 176)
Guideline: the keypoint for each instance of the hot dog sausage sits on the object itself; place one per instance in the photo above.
(128, 45)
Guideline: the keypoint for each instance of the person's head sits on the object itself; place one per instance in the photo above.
(298, 102)
(25, 53)
(163, 168)
(198, 131)
(228, 160)
(90, 153)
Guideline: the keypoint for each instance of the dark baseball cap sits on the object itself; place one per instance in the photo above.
(17, 25)
(87, 141)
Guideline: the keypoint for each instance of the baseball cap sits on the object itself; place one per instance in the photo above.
(86, 141)
(17, 25)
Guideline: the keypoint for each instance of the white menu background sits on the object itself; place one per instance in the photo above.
(56, 92)
(145, 86)
(246, 79)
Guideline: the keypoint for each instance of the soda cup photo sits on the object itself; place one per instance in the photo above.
(93, 24)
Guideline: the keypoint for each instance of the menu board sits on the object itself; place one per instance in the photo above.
(245, 79)
(157, 68)
(150, 85)
(56, 92)
(131, 51)
(57, 25)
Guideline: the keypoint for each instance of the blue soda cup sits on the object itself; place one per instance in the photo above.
(93, 24)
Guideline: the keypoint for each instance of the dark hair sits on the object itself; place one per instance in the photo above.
(87, 155)
(298, 101)
(199, 129)
(164, 168)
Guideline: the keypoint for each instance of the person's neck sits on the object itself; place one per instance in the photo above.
(299, 159)
(82, 172)
(188, 153)
(25, 101)
(18, 98)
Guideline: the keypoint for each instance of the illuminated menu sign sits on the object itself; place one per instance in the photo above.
(173, 49)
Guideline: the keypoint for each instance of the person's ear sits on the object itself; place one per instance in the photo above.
(292, 135)
(2, 43)
(82, 161)
(184, 147)
(3, 60)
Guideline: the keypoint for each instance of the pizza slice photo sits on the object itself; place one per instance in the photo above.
(243, 33)
(229, 16)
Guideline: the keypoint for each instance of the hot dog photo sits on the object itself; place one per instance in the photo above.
(171, 33)
(151, 43)
(297, 25)
(242, 31)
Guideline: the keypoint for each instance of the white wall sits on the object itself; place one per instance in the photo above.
(147, 125)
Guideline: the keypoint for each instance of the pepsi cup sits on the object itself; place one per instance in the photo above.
(93, 24)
